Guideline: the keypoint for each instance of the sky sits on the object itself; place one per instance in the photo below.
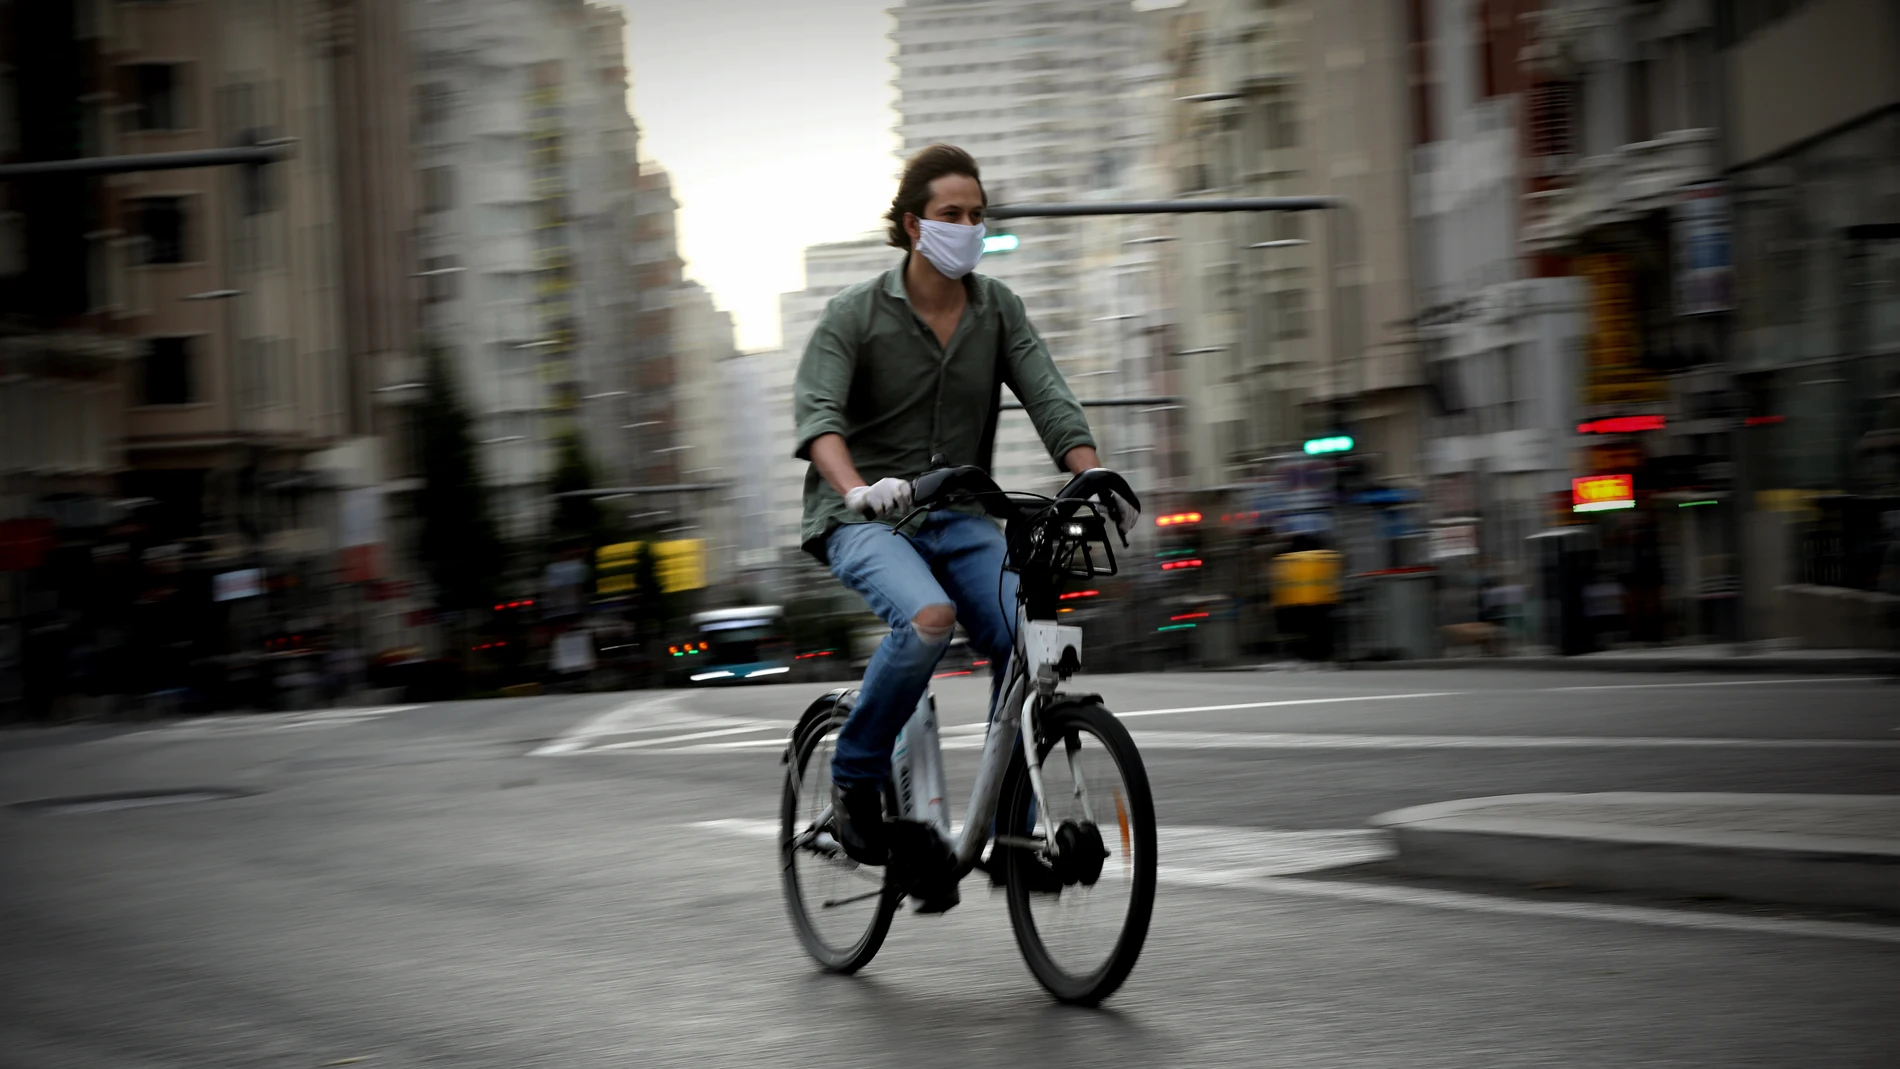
(774, 118)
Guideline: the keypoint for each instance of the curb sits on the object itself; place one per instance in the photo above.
(1454, 839)
(1769, 665)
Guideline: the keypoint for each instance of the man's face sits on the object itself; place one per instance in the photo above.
(954, 198)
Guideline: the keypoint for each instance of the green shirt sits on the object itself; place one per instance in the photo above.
(875, 374)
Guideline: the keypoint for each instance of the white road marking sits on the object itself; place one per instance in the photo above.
(1242, 740)
(237, 724)
(639, 744)
(1254, 859)
(615, 721)
(655, 715)
(1719, 683)
(1196, 853)
(1481, 693)
(1289, 701)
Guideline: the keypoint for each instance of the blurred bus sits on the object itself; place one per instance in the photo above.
(734, 645)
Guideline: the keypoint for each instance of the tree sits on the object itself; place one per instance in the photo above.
(458, 543)
(577, 518)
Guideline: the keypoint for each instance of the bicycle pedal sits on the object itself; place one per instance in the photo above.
(940, 902)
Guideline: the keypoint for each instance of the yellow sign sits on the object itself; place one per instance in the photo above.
(680, 565)
(1614, 376)
(1306, 578)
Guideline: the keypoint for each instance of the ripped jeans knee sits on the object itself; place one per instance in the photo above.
(934, 624)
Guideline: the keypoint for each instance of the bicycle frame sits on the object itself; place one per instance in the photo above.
(1011, 721)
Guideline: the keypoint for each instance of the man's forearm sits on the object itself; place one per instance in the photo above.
(1081, 459)
(832, 458)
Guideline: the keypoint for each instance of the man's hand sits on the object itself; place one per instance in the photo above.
(1121, 510)
(884, 498)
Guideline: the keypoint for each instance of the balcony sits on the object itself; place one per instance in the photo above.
(1626, 184)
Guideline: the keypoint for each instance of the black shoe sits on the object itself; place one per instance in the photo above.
(923, 865)
(857, 822)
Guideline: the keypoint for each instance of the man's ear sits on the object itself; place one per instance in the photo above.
(912, 228)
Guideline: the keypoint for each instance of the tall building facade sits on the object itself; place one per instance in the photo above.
(654, 436)
(1810, 95)
(1046, 94)
(1501, 332)
(235, 279)
(1626, 133)
(709, 443)
(528, 172)
(1292, 324)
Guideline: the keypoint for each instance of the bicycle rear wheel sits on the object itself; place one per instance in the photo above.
(840, 909)
(1081, 914)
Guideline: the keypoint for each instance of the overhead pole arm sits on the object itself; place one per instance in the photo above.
(88, 166)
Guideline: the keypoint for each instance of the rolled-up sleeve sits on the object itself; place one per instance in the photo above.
(823, 382)
(1051, 405)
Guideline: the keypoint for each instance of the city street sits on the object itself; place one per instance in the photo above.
(589, 880)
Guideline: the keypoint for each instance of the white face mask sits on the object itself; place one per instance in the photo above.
(951, 248)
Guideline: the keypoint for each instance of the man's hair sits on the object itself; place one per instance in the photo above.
(913, 190)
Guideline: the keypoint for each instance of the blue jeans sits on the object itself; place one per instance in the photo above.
(956, 559)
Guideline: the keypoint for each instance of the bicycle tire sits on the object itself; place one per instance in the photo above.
(846, 959)
(1018, 797)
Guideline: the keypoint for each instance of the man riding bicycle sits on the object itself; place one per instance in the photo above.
(902, 368)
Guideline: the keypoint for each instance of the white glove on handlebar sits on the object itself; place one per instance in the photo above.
(1125, 514)
(886, 497)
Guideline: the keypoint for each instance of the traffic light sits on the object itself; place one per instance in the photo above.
(995, 243)
(1337, 443)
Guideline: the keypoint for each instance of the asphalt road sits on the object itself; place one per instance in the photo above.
(589, 881)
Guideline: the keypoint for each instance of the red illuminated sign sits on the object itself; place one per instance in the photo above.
(1621, 425)
(1177, 518)
(1599, 493)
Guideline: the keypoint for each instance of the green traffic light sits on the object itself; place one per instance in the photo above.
(1338, 443)
(1000, 243)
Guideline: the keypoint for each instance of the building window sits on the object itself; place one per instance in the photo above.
(167, 375)
(441, 273)
(162, 222)
(1289, 314)
(1283, 125)
(432, 104)
(1553, 122)
(157, 94)
(438, 189)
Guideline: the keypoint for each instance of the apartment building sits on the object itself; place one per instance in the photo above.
(1046, 95)
(1814, 190)
(1292, 324)
(1501, 332)
(528, 172)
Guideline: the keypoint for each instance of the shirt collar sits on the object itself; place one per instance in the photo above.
(894, 284)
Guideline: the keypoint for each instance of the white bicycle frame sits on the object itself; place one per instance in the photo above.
(917, 762)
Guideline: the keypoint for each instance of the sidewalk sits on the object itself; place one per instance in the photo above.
(1721, 659)
(1840, 851)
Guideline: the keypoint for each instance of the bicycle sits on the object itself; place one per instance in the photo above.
(1055, 859)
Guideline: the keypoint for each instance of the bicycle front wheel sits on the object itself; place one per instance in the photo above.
(1081, 910)
(840, 909)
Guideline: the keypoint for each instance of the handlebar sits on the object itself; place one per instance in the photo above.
(943, 483)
